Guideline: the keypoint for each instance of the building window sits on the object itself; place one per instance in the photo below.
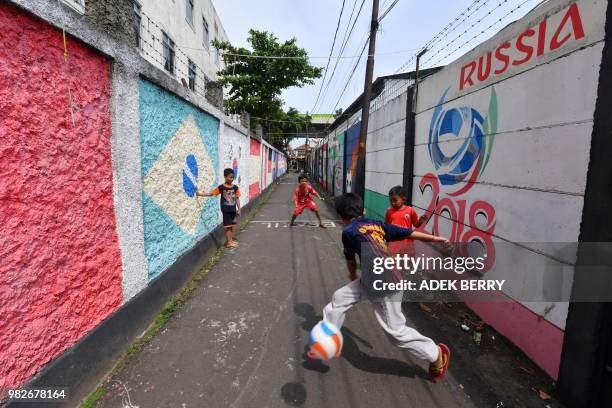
(206, 36)
(189, 11)
(137, 22)
(168, 53)
(192, 74)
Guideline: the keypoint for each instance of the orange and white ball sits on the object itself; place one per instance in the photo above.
(325, 341)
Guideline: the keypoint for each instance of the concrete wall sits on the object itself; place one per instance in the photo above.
(177, 139)
(234, 153)
(502, 142)
(254, 169)
(385, 154)
(103, 152)
(352, 152)
(510, 141)
(61, 263)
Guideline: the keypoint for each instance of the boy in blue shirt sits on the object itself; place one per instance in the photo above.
(368, 239)
(229, 203)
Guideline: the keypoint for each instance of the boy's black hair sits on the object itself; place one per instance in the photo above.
(398, 191)
(302, 177)
(227, 172)
(349, 205)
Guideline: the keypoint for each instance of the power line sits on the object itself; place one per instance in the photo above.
(330, 54)
(345, 43)
(349, 78)
(391, 6)
(334, 57)
(387, 10)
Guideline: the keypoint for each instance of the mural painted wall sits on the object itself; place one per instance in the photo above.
(254, 169)
(234, 153)
(491, 156)
(61, 262)
(385, 155)
(269, 166)
(332, 157)
(274, 165)
(264, 165)
(179, 153)
(324, 169)
(338, 163)
(352, 152)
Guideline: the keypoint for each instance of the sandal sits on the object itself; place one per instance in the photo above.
(438, 373)
(231, 245)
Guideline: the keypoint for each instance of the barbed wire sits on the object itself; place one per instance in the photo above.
(432, 55)
(441, 34)
(482, 32)
(446, 45)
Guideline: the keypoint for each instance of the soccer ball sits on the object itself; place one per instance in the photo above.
(325, 341)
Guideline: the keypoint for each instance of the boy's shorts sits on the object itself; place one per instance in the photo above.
(229, 219)
(301, 207)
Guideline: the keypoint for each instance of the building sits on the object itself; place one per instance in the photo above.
(177, 35)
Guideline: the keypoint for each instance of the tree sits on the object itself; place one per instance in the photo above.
(285, 126)
(255, 83)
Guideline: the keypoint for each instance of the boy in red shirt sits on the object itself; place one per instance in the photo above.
(303, 199)
(404, 216)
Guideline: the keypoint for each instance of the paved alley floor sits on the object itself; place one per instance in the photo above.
(239, 340)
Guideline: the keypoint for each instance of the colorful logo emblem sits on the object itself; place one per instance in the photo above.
(460, 142)
(190, 175)
(171, 181)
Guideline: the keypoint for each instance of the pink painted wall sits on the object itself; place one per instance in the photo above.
(541, 340)
(255, 169)
(60, 272)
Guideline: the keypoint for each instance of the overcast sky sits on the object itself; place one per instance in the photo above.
(407, 27)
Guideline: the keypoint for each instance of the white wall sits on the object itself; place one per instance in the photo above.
(385, 146)
(234, 153)
(536, 175)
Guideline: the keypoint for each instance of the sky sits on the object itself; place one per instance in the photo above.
(405, 29)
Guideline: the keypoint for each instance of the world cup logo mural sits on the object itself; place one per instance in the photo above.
(460, 169)
(460, 145)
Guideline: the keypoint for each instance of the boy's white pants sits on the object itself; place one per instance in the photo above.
(388, 311)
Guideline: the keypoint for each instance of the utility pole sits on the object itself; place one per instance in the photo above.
(359, 186)
(416, 79)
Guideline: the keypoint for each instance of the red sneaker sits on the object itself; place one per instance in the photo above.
(438, 373)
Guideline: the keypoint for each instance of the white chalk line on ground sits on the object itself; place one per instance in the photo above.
(285, 224)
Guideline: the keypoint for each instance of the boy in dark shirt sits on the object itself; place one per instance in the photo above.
(368, 238)
(230, 205)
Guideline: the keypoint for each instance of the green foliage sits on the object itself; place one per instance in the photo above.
(255, 84)
(284, 126)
